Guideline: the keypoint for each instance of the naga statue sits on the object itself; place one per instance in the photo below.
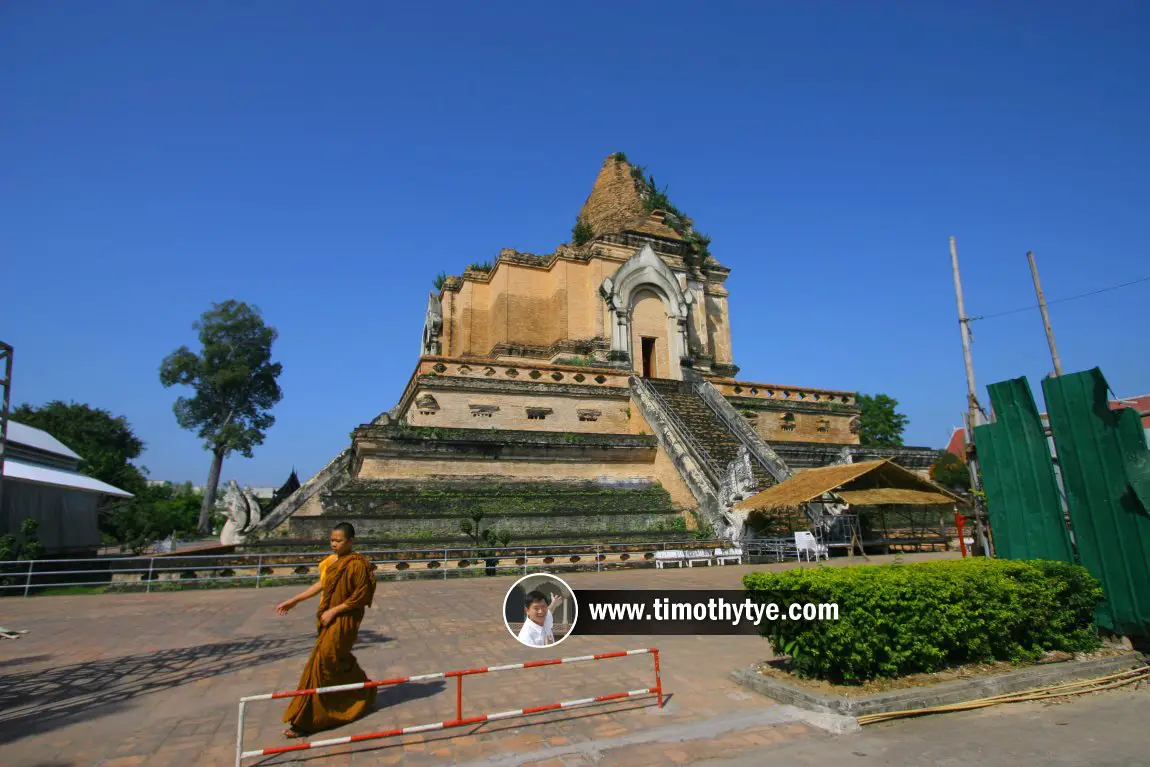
(243, 512)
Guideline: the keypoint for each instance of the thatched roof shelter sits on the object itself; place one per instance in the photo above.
(869, 483)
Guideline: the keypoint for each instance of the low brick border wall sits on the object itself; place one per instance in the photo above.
(941, 694)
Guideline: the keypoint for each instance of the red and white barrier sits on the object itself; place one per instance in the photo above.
(459, 721)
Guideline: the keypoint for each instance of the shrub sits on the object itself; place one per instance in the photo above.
(582, 233)
(904, 619)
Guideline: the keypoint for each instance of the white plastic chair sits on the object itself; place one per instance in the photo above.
(806, 543)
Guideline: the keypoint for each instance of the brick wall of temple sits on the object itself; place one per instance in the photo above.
(531, 412)
(528, 305)
(794, 414)
(539, 306)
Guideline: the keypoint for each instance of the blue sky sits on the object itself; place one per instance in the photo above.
(325, 160)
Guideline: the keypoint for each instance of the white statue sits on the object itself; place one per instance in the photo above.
(242, 510)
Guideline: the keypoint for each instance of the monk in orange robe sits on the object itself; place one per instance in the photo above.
(347, 582)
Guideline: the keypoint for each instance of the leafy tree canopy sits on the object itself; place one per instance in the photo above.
(950, 471)
(153, 515)
(105, 443)
(234, 385)
(882, 424)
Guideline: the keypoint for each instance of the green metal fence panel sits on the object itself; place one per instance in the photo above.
(1111, 528)
(1022, 495)
(1135, 455)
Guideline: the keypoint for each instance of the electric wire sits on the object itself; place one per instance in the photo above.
(1060, 300)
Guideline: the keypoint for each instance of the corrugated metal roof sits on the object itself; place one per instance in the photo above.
(43, 475)
(39, 439)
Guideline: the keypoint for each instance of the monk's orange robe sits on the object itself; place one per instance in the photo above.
(349, 580)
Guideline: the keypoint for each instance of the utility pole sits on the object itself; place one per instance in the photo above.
(1045, 315)
(5, 399)
(973, 411)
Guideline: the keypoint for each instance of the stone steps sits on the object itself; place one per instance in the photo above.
(706, 428)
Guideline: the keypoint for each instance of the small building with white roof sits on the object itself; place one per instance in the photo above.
(41, 482)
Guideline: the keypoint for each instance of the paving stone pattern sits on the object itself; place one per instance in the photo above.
(153, 679)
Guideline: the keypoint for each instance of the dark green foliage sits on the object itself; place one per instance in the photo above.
(481, 267)
(472, 528)
(154, 514)
(950, 471)
(12, 550)
(904, 619)
(882, 424)
(234, 384)
(582, 362)
(440, 281)
(619, 157)
(28, 548)
(582, 233)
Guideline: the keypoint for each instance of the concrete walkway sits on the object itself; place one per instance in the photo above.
(1106, 729)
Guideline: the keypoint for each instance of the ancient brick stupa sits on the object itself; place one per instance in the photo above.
(585, 395)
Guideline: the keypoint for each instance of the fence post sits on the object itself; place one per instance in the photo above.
(151, 567)
(598, 563)
(240, 736)
(259, 569)
(525, 560)
(445, 564)
(28, 582)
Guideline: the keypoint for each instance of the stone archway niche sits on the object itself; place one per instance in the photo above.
(644, 301)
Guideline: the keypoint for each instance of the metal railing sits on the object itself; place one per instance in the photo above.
(709, 465)
(147, 572)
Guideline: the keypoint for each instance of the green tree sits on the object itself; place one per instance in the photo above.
(158, 512)
(489, 538)
(12, 550)
(582, 233)
(882, 424)
(234, 383)
(471, 528)
(950, 471)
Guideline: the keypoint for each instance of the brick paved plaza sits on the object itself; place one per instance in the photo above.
(153, 679)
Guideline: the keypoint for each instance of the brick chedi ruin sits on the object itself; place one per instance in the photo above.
(586, 395)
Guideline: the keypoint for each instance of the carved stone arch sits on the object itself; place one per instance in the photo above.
(644, 272)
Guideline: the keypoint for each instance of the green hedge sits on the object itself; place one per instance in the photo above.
(904, 619)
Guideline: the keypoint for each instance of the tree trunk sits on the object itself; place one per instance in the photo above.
(209, 502)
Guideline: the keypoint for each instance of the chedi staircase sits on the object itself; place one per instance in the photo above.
(719, 455)
(720, 444)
